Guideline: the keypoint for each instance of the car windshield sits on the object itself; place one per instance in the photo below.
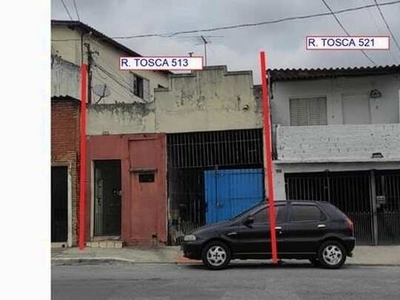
(256, 207)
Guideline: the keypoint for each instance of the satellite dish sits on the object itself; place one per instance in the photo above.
(101, 90)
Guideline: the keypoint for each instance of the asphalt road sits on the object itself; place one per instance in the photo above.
(242, 281)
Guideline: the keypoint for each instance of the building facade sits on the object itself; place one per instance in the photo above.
(209, 123)
(337, 138)
(112, 216)
(65, 132)
(167, 153)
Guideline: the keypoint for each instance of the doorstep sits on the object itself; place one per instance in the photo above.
(107, 244)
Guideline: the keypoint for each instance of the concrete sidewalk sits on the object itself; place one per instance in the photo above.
(363, 255)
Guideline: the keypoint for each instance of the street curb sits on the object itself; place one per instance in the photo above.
(108, 260)
(111, 260)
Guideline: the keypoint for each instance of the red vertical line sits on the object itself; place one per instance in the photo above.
(82, 177)
(268, 156)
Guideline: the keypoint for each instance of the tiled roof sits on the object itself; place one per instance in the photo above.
(301, 74)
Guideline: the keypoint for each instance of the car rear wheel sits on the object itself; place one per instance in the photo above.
(332, 255)
(216, 255)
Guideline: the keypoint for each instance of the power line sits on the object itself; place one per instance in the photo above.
(115, 74)
(76, 10)
(107, 63)
(373, 18)
(387, 25)
(377, 27)
(344, 29)
(168, 35)
(66, 9)
(126, 87)
(254, 24)
(101, 79)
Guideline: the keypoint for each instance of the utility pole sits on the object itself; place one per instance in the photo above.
(205, 48)
(89, 71)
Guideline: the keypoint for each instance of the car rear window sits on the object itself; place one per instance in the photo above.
(306, 213)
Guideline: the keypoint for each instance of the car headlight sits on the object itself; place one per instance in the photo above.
(189, 238)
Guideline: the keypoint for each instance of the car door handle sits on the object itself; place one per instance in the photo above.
(232, 233)
(278, 228)
(321, 226)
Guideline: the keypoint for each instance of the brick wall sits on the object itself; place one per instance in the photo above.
(338, 142)
(65, 148)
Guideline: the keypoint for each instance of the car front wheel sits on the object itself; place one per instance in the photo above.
(332, 255)
(216, 255)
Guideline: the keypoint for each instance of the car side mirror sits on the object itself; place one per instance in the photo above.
(248, 221)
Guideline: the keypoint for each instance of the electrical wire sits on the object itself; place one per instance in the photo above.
(107, 63)
(76, 10)
(111, 88)
(379, 30)
(344, 29)
(66, 9)
(387, 25)
(110, 75)
(168, 35)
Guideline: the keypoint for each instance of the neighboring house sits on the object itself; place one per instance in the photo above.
(65, 113)
(337, 138)
(108, 219)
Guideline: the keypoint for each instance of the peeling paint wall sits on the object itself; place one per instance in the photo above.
(212, 99)
(121, 118)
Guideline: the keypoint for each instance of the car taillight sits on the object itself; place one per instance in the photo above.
(350, 224)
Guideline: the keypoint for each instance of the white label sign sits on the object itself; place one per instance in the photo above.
(347, 43)
(182, 63)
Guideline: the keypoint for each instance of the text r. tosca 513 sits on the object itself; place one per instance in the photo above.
(161, 63)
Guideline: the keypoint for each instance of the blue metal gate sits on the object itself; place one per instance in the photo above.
(229, 192)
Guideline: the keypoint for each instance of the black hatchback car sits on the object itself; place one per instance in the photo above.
(313, 230)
